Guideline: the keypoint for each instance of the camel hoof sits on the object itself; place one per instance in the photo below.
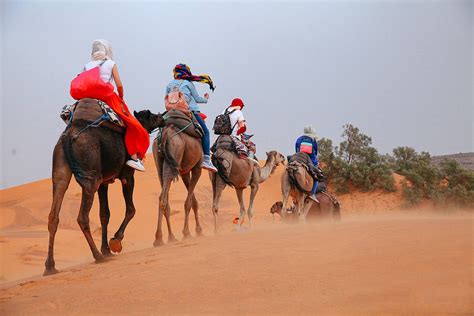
(172, 239)
(187, 236)
(101, 259)
(50, 271)
(115, 245)
(199, 234)
(158, 243)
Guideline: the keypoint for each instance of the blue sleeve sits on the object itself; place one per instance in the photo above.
(167, 89)
(195, 94)
(314, 155)
(298, 144)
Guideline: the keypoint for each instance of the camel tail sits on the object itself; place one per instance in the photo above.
(217, 161)
(170, 160)
(72, 162)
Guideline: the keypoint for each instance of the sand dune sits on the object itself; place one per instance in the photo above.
(385, 262)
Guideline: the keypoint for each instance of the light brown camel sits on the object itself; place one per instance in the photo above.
(243, 173)
(176, 154)
(296, 182)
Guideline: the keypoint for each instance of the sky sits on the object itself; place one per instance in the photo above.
(401, 71)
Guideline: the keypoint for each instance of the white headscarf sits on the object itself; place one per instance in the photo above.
(309, 131)
(101, 50)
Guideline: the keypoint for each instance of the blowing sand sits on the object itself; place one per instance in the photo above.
(384, 263)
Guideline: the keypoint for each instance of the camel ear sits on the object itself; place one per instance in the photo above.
(135, 113)
(268, 154)
(148, 112)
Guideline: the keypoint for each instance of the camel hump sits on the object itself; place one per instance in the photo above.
(87, 110)
(183, 122)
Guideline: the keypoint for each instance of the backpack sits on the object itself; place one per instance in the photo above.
(88, 84)
(175, 100)
(222, 125)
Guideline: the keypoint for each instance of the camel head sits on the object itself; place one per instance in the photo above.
(276, 208)
(149, 120)
(279, 158)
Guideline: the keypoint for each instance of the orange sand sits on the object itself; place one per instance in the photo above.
(389, 263)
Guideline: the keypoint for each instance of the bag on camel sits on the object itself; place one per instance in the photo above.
(175, 100)
(88, 84)
(222, 125)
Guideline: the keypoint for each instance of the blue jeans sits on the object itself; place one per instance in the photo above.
(206, 138)
(315, 187)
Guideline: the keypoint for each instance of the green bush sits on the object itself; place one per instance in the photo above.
(356, 162)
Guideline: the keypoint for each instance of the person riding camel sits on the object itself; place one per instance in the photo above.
(136, 137)
(238, 127)
(183, 80)
(307, 143)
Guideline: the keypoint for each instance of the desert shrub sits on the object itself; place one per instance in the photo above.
(459, 188)
(356, 162)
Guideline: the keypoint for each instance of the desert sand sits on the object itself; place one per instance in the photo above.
(377, 260)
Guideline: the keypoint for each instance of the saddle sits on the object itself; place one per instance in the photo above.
(182, 121)
(231, 143)
(304, 160)
(93, 111)
(223, 142)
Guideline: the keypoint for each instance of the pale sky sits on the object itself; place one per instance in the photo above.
(401, 71)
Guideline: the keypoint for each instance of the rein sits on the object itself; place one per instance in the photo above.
(96, 123)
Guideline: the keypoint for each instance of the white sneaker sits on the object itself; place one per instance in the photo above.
(136, 164)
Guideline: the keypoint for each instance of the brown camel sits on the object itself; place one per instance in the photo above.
(243, 173)
(326, 207)
(176, 154)
(297, 183)
(96, 156)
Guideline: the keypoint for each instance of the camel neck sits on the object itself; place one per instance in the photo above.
(267, 169)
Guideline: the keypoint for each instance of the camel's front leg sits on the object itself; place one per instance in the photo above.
(253, 193)
(240, 197)
(128, 184)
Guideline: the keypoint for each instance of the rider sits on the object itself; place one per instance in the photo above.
(136, 137)
(307, 143)
(183, 80)
(239, 126)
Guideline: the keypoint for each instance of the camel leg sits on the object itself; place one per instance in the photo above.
(218, 186)
(128, 184)
(306, 207)
(285, 190)
(83, 217)
(195, 175)
(240, 197)
(253, 193)
(61, 178)
(104, 217)
(300, 205)
(187, 205)
(164, 209)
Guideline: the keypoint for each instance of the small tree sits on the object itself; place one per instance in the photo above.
(353, 144)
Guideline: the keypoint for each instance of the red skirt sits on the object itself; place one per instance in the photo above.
(137, 139)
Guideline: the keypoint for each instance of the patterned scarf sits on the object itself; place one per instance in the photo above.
(182, 71)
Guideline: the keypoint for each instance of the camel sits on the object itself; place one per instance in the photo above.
(324, 208)
(243, 173)
(96, 157)
(176, 154)
(297, 183)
